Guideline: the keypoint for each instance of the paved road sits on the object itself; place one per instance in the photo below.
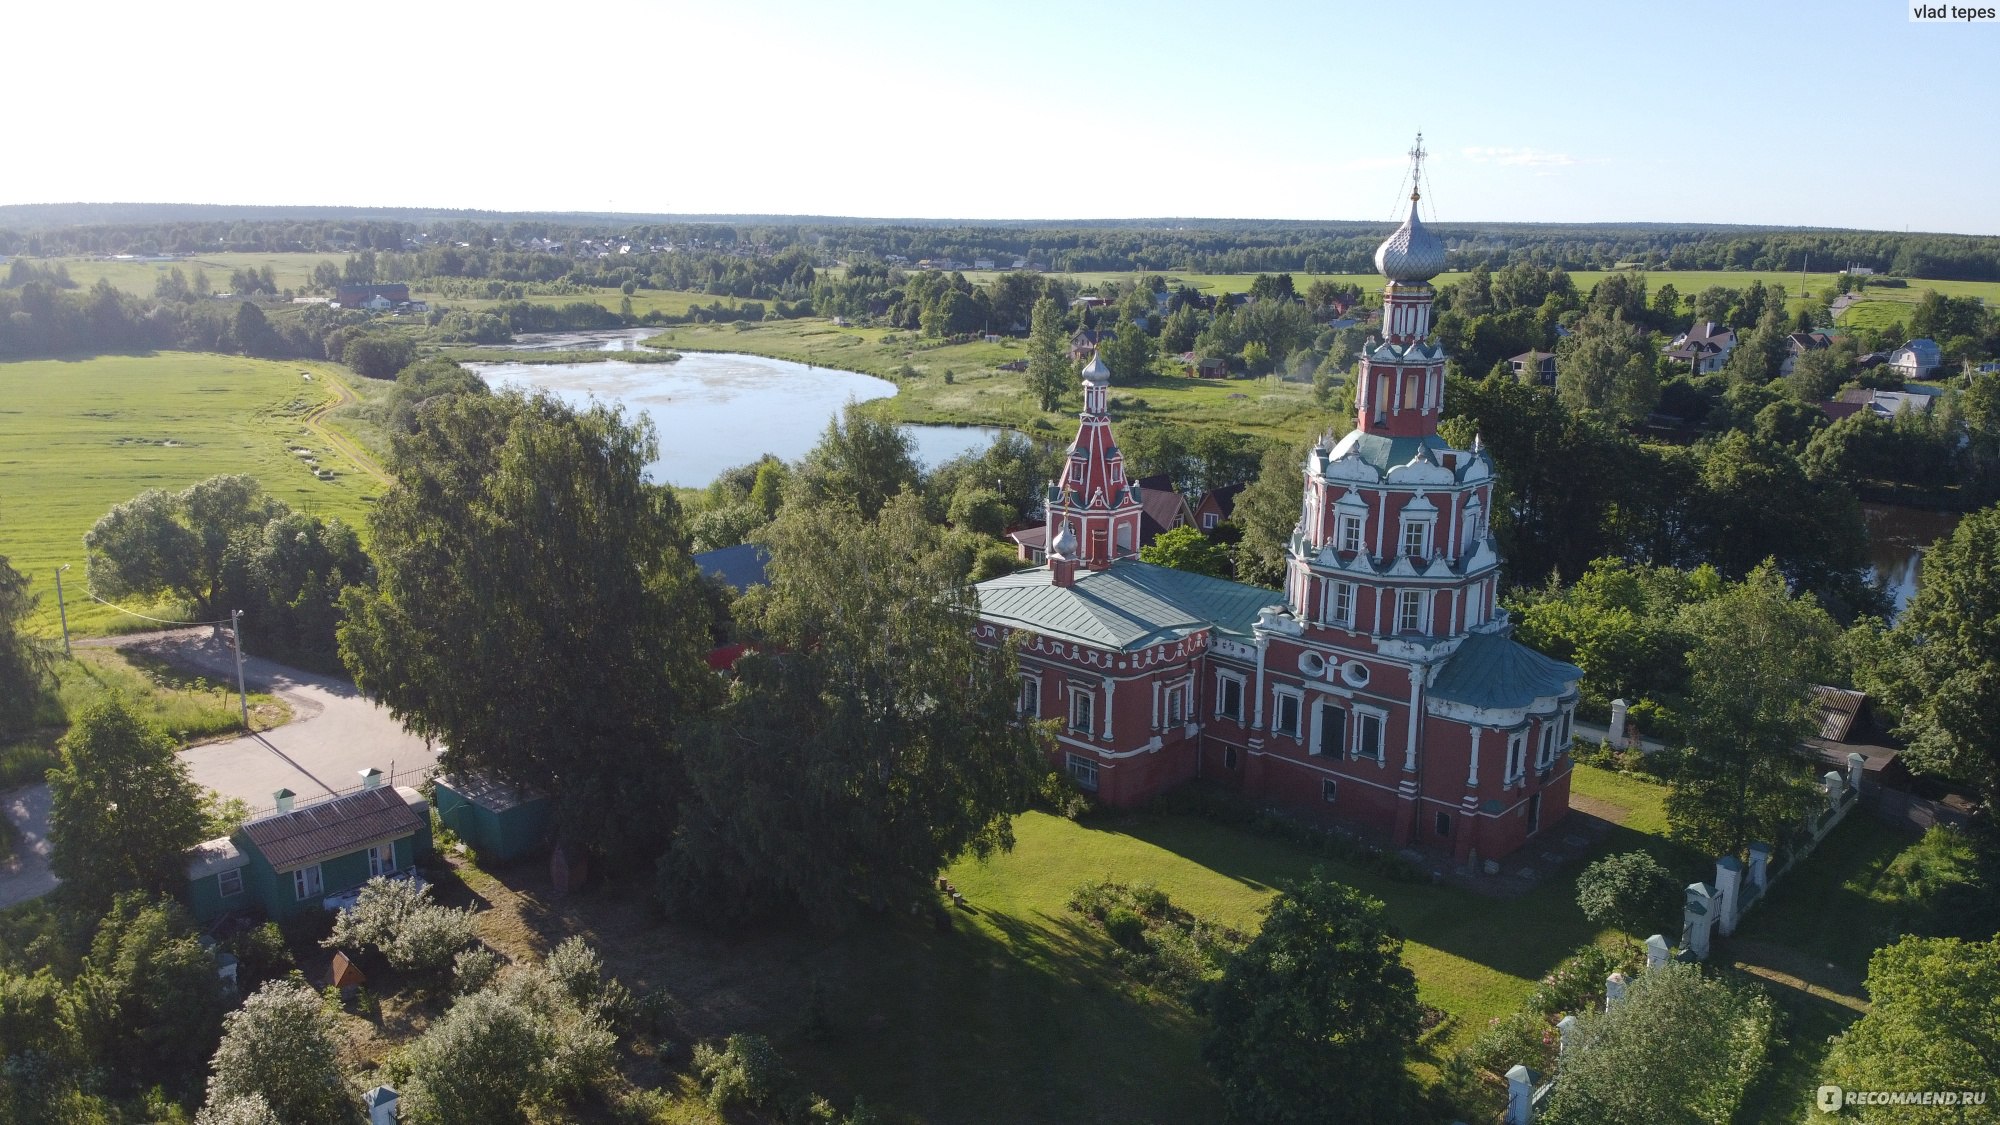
(334, 735)
(26, 874)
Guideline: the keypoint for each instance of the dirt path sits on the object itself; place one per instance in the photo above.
(317, 423)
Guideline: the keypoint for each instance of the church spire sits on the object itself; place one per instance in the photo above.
(1093, 506)
(1401, 381)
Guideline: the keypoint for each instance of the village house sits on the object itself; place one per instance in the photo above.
(298, 859)
(1216, 506)
(1704, 347)
(1382, 688)
(1798, 344)
(1535, 367)
(1085, 342)
(1918, 359)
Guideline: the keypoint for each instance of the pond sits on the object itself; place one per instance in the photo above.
(716, 410)
(1897, 540)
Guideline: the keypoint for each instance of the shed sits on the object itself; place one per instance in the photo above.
(499, 821)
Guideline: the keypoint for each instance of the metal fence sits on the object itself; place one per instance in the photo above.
(411, 777)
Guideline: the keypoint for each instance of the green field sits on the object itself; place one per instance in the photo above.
(291, 271)
(980, 393)
(78, 436)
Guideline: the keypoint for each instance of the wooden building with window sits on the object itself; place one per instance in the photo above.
(1382, 687)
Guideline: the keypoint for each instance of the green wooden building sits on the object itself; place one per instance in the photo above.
(499, 822)
(312, 858)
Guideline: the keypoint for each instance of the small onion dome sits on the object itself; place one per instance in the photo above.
(1095, 373)
(1412, 253)
(1065, 543)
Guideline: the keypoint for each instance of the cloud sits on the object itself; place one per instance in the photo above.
(1520, 157)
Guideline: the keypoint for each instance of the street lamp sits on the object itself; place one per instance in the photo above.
(62, 609)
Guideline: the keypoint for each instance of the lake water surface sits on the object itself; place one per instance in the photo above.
(1897, 540)
(715, 410)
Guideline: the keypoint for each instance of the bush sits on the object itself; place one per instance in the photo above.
(279, 1051)
(745, 1072)
(1632, 891)
(473, 969)
(261, 955)
(1059, 794)
(576, 969)
(1159, 943)
(398, 919)
(1126, 928)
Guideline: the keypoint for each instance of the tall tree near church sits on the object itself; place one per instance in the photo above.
(1943, 671)
(122, 810)
(1314, 1018)
(867, 743)
(860, 460)
(1049, 370)
(536, 610)
(24, 666)
(1605, 367)
(1746, 774)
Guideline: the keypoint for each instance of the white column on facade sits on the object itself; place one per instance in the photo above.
(1156, 705)
(1110, 685)
(1416, 716)
(1257, 719)
(1472, 771)
(1456, 595)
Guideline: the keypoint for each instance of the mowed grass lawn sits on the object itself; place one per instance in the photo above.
(78, 436)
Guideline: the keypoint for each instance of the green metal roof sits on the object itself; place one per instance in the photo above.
(1384, 453)
(1493, 671)
(1128, 606)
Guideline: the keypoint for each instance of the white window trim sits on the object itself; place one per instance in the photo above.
(1029, 680)
(1176, 692)
(224, 879)
(377, 865)
(1089, 697)
(1298, 698)
(1423, 606)
(1356, 724)
(308, 883)
(1223, 678)
(1330, 610)
(1517, 756)
(1426, 526)
(1359, 525)
(1077, 766)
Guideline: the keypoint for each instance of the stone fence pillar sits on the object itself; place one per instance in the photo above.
(1697, 919)
(1855, 764)
(1566, 1027)
(1728, 893)
(1656, 952)
(382, 1105)
(1760, 868)
(1614, 990)
(1618, 709)
(1520, 1095)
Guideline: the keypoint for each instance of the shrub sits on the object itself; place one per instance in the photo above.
(1126, 928)
(261, 955)
(1059, 794)
(1632, 891)
(576, 969)
(745, 1072)
(279, 1050)
(398, 919)
(474, 969)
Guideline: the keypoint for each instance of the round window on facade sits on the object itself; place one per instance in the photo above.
(1312, 664)
(1355, 673)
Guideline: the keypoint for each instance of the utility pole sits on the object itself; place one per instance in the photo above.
(63, 610)
(236, 642)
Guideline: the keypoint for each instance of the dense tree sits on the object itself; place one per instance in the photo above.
(1746, 773)
(147, 1005)
(123, 810)
(1621, 623)
(161, 543)
(24, 665)
(1631, 890)
(1681, 1049)
(866, 744)
(420, 382)
(1050, 373)
(1268, 511)
(1931, 1025)
(1313, 1019)
(287, 577)
(536, 609)
(1605, 367)
(1186, 548)
(378, 355)
(1943, 671)
(281, 1048)
(505, 1052)
(1129, 354)
(859, 460)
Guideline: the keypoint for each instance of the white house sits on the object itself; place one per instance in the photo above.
(1918, 359)
(1704, 347)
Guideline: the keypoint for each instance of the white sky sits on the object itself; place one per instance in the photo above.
(1837, 114)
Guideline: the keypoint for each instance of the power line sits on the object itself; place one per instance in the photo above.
(156, 620)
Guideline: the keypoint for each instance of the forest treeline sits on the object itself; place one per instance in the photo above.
(1192, 245)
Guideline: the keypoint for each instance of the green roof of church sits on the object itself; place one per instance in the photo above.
(1382, 452)
(1493, 671)
(1129, 605)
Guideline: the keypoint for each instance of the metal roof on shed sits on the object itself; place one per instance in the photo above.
(333, 828)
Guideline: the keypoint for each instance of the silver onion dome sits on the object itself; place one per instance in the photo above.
(1065, 542)
(1412, 253)
(1095, 372)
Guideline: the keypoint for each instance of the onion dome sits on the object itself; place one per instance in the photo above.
(1096, 373)
(1065, 543)
(1412, 253)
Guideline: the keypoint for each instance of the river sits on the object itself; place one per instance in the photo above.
(1897, 540)
(716, 410)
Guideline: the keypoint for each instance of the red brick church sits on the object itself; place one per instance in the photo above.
(1384, 688)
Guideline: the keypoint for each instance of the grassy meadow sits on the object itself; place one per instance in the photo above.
(291, 271)
(80, 435)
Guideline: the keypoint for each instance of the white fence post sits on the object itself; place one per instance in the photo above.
(1855, 764)
(1656, 952)
(1614, 990)
(1728, 892)
(1760, 868)
(1618, 710)
(1566, 1027)
(1520, 1096)
(1698, 918)
(382, 1107)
